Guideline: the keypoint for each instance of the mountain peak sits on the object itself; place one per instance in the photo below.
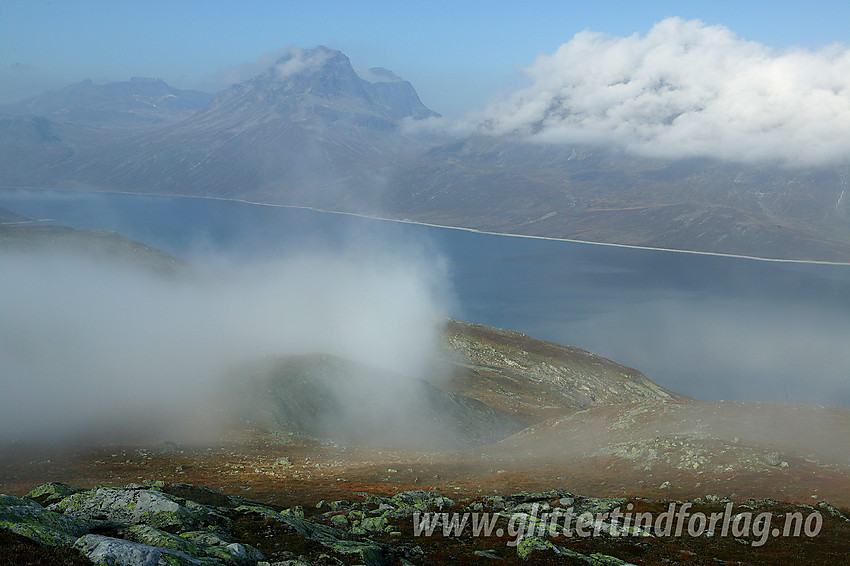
(317, 80)
(308, 61)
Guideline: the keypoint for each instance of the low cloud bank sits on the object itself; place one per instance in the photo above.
(726, 349)
(90, 347)
(685, 89)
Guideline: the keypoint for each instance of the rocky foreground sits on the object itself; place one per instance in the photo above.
(159, 523)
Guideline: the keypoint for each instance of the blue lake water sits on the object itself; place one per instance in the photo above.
(707, 326)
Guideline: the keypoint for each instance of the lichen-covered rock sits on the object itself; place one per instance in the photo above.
(206, 538)
(108, 551)
(372, 554)
(198, 494)
(342, 504)
(596, 504)
(408, 502)
(524, 498)
(831, 510)
(597, 559)
(528, 545)
(530, 507)
(297, 511)
(27, 518)
(139, 507)
(773, 458)
(267, 512)
(377, 524)
(223, 548)
(52, 492)
(340, 520)
(150, 536)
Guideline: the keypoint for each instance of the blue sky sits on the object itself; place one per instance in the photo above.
(457, 54)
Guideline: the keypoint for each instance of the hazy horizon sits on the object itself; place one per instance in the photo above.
(458, 57)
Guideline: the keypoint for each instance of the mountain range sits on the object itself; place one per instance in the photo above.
(311, 130)
(139, 102)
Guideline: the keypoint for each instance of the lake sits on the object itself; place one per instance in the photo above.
(711, 327)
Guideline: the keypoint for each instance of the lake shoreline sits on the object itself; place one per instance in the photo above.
(443, 226)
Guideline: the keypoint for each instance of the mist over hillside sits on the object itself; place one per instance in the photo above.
(104, 334)
(114, 340)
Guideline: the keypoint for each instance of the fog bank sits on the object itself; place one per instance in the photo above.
(89, 346)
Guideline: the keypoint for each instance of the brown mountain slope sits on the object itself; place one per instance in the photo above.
(532, 379)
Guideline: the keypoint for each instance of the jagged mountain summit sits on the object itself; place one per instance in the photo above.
(139, 102)
(319, 86)
(309, 130)
(307, 80)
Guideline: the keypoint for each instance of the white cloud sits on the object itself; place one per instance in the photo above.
(685, 89)
(299, 60)
(89, 343)
(228, 76)
(286, 62)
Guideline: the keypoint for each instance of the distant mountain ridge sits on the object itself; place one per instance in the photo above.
(596, 194)
(308, 130)
(138, 102)
(312, 130)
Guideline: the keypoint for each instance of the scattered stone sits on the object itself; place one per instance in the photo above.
(169, 446)
(407, 502)
(154, 524)
(830, 510)
(773, 459)
(52, 492)
(529, 545)
(596, 504)
(29, 519)
(139, 506)
(340, 521)
(113, 551)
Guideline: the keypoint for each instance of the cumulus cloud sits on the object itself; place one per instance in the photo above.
(685, 89)
(88, 345)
